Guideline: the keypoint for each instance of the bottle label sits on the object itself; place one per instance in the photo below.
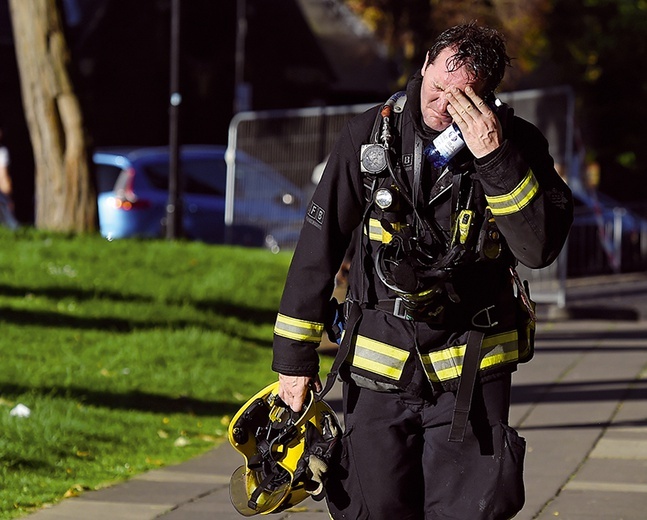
(449, 142)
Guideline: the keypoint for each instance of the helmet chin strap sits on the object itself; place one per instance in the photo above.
(263, 487)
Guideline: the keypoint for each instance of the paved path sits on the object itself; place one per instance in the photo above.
(581, 404)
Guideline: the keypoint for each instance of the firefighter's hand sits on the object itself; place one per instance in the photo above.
(294, 389)
(481, 128)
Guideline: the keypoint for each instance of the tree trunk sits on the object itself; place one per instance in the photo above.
(65, 198)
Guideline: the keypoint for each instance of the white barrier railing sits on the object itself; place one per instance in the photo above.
(294, 142)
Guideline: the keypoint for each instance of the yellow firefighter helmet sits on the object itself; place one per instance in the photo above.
(286, 453)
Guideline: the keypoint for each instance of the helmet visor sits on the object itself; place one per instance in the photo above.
(251, 496)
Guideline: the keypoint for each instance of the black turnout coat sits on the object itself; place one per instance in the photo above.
(532, 209)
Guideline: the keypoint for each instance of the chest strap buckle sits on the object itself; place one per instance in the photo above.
(395, 307)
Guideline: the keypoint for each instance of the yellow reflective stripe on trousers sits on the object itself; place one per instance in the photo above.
(299, 330)
(447, 364)
(517, 199)
(378, 358)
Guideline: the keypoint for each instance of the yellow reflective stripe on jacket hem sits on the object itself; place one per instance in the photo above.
(443, 365)
(299, 330)
(378, 358)
(517, 199)
(447, 364)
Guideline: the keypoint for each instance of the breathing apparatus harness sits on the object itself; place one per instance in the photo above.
(418, 260)
(420, 272)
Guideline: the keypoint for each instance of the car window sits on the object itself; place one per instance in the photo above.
(106, 176)
(255, 180)
(200, 176)
(207, 176)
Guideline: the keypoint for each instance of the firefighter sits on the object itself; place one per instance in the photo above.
(435, 317)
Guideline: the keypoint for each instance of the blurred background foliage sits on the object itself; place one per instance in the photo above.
(596, 46)
(120, 67)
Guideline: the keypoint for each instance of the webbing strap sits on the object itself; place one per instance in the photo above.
(466, 386)
(350, 328)
(417, 168)
(252, 503)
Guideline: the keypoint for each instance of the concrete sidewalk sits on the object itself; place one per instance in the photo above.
(581, 404)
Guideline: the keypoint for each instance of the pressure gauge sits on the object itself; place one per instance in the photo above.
(373, 158)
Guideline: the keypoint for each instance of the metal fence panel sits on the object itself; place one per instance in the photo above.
(292, 143)
(552, 111)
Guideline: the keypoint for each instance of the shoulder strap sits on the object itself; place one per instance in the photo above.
(391, 109)
(350, 328)
(466, 386)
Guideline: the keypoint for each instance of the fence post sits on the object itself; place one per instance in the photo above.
(618, 214)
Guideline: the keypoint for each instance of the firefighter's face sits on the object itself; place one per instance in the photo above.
(436, 80)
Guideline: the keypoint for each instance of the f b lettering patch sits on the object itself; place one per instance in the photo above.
(316, 215)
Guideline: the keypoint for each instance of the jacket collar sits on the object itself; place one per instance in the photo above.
(413, 102)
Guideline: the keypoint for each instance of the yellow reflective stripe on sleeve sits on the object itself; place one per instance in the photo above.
(379, 358)
(447, 364)
(299, 330)
(517, 199)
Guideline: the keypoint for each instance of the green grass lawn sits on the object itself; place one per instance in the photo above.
(130, 355)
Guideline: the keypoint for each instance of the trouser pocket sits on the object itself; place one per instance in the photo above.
(508, 496)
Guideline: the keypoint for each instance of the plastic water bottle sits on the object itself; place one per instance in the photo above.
(450, 141)
(445, 146)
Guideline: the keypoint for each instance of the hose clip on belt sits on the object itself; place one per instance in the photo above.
(466, 386)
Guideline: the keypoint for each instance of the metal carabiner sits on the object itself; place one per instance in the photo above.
(489, 322)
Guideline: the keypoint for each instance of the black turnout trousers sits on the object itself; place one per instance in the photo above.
(396, 462)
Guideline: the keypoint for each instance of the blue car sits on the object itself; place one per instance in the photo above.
(132, 187)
